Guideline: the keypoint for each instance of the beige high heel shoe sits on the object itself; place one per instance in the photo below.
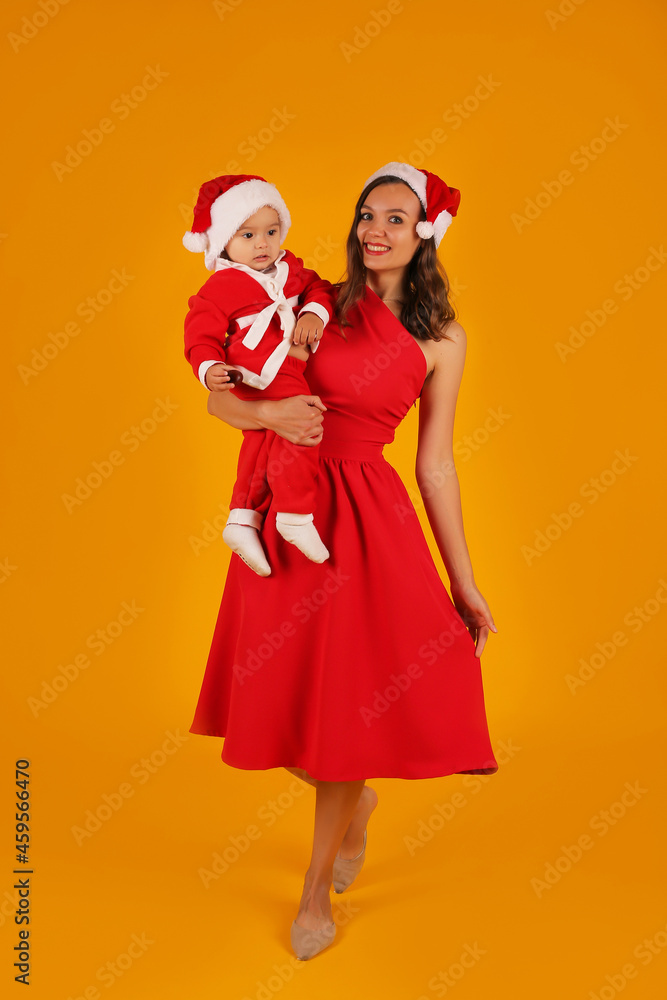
(345, 870)
(307, 944)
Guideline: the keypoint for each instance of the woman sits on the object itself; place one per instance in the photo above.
(361, 666)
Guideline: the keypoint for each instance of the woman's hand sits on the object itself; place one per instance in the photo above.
(297, 419)
(475, 614)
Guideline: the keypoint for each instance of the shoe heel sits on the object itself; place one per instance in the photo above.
(345, 870)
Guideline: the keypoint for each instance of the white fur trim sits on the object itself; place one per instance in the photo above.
(196, 242)
(413, 177)
(241, 515)
(230, 210)
(319, 310)
(440, 226)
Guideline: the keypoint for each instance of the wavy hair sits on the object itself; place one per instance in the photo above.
(427, 310)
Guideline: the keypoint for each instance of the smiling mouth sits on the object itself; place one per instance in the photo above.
(376, 248)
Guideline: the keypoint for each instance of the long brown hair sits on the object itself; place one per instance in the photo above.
(427, 310)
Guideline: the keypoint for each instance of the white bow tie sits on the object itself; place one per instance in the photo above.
(273, 284)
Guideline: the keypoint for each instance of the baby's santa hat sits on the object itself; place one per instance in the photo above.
(223, 205)
(439, 201)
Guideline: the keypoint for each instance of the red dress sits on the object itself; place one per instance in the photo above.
(361, 666)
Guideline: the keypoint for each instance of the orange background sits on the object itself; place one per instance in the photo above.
(357, 98)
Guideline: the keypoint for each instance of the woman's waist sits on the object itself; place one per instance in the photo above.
(360, 451)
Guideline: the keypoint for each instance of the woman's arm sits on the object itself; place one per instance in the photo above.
(439, 484)
(298, 418)
(436, 473)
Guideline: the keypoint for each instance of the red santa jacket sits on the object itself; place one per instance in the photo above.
(245, 318)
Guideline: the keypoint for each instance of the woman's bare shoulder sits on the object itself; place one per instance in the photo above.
(454, 333)
(445, 360)
(451, 344)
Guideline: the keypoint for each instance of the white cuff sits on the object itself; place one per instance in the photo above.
(286, 518)
(241, 515)
(319, 310)
(203, 368)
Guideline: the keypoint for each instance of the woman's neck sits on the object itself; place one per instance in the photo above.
(387, 285)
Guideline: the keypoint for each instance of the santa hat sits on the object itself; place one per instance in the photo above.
(223, 205)
(438, 201)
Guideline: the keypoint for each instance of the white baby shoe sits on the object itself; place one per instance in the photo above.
(244, 540)
(300, 531)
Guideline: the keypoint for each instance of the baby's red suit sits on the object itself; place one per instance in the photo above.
(245, 318)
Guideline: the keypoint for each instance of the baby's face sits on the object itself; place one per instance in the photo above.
(257, 242)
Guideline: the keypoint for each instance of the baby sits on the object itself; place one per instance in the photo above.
(243, 319)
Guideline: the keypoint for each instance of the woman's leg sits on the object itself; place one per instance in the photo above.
(353, 839)
(334, 806)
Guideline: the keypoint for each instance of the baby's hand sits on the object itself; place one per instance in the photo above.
(217, 379)
(308, 329)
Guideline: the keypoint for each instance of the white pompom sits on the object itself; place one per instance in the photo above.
(196, 242)
(425, 229)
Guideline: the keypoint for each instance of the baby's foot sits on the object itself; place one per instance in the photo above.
(300, 531)
(244, 540)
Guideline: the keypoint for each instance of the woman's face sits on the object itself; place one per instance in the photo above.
(386, 228)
